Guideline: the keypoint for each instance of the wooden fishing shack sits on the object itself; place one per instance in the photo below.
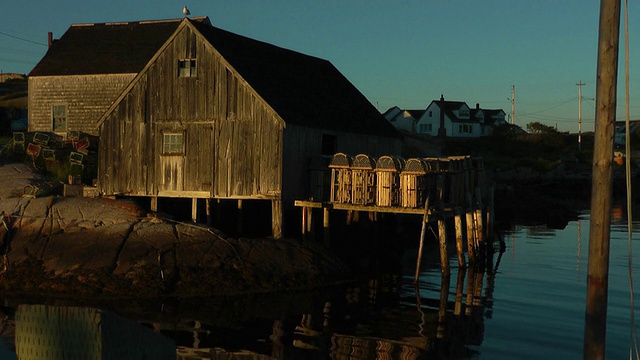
(191, 111)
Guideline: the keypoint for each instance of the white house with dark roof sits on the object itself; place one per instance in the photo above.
(447, 118)
(403, 120)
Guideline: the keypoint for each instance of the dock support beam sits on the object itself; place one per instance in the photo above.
(325, 227)
(425, 220)
(154, 204)
(240, 218)
(442, 229)
(208, 210)
(304, 223)
(459, 241)
(276, 219)
(194, 210)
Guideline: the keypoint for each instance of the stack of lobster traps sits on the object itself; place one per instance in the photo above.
(390, 181)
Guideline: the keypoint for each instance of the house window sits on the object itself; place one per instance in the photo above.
(425, 128)
(329, 144)
(464, 129)
(430, 113)
(173, 144)
(59, 118)
(187, 68)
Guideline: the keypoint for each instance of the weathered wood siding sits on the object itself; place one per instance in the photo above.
(233, 140)
(302, 143)
(87, 97)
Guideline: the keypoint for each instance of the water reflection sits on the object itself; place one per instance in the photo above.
(386, 317)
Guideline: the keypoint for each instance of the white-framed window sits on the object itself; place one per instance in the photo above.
(173, 143)
(59, 117)
(464, 129)
(187, 68)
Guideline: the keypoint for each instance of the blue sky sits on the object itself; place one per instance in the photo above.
(403, 53)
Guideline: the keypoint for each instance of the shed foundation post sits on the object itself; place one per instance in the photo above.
(208, 210)
(194, 210)
(154, 204)
(459, 241)
(276, 218)
(325, 227)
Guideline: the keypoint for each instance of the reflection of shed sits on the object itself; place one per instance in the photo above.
(413, 183)
(388, 181)
(340, 166)
(363, 180)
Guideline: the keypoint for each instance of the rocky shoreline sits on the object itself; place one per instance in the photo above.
(67, 246)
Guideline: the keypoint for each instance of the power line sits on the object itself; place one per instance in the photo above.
(19, 38)
(17, 61)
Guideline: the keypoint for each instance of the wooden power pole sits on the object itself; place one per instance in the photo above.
(513, 104)
(595, 326)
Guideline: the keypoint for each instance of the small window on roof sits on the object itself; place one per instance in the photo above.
(187, 68)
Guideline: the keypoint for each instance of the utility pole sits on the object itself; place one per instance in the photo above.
(595, 326)
(580, 115)
(513, 104)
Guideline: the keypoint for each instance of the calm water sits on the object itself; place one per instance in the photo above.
(529, 303)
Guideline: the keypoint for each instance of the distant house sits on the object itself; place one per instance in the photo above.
(403, 120)
(208, 114)
(488, 119)
(447, 118)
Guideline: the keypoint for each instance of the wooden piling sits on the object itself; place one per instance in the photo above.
(349, 217)
(442, 230)
(459, 241)
(309, 221)
(442, 236)
(240, 222)
(154, 204)
(276, 219)
(194, 210)
(442, 308)
(490, 210)
(208, 211)
(457, 310)
(325, 227)
(478, 216)
(304, 223)
(471, 280)
(472, 248)
(425, 220)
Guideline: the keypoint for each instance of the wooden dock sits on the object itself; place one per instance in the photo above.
(437, 189)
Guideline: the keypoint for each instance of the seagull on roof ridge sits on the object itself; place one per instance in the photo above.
(186, 11)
